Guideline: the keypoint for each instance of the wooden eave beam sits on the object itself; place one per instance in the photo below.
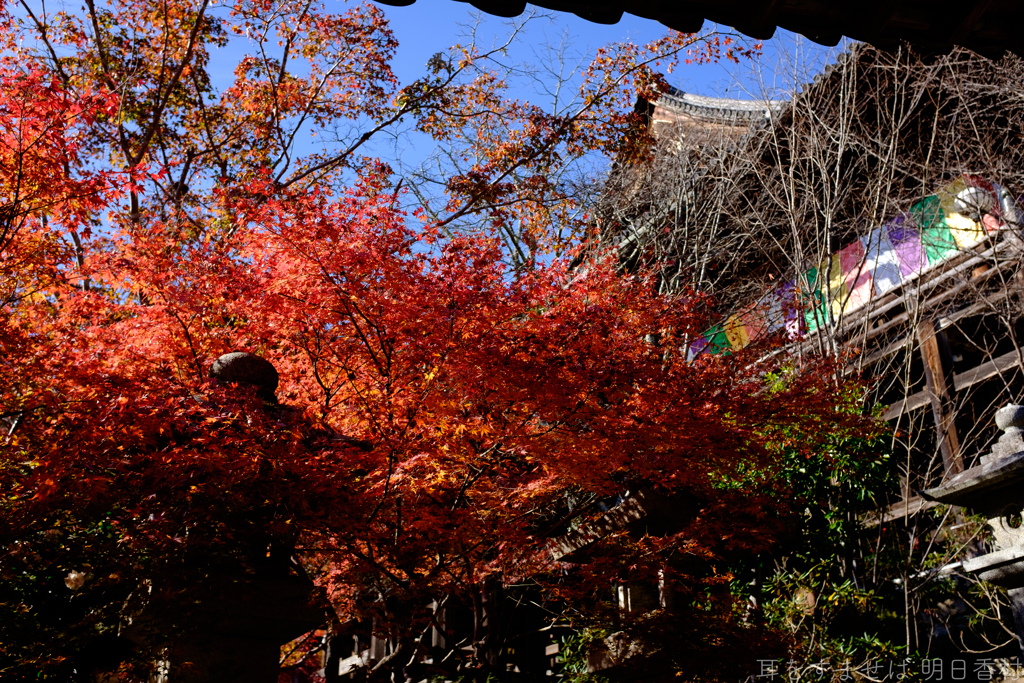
(763, 17)
(903, 509)
(1008, 362)
(963, 28)
(875, 17)
(884, 24)
(908, 405)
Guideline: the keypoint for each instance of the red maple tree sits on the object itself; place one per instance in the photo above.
(439, 409)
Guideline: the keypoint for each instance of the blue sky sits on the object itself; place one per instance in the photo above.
(429, 26)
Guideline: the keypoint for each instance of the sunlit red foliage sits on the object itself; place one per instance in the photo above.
(480, 400)
(437, 406)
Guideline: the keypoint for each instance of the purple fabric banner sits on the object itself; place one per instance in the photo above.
(906, 241)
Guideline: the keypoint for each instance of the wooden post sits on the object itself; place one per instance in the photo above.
(378, 644)
(1016, 596)
(437, 639)
(491, 642)
(938, 369)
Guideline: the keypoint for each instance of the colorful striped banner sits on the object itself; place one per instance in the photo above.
(955, 218)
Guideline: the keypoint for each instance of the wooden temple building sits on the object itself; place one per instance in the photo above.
(877, 214)
(899, 251)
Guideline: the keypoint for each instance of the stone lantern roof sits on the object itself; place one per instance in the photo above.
(995, 488)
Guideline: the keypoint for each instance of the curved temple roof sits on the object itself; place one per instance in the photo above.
(683, 115)
(719, 108)
(988, 27)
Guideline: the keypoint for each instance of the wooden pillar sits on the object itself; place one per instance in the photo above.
(490, 647)
(437, 639)
(938, 369)
(378, 642)
(1016, 596)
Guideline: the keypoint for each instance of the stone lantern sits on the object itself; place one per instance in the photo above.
(995, 488)
(237, 623)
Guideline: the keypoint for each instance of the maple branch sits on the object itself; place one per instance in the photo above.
(275, 83)
(351, 306)
(541, 148)
(404, 108)
(101, 51)
(9, 211)
(188, 337)
(165, 98)
(79, 257)
(314, 364)
(339, 159)
(471, 477)
(19, 417)
(286, 145)
(41, 29)
(553, 139)
(364, 557)
(298, 644)
(204, 118)
(164, 56)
